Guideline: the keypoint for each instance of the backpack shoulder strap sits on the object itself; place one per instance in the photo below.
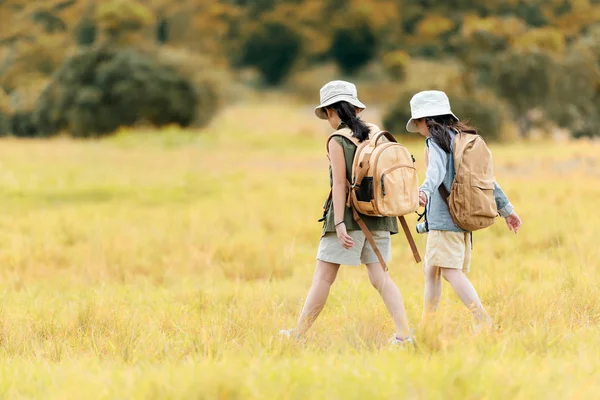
(461, 142)
(345, 133)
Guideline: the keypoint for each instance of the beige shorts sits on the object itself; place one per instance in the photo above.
(448, 250)
(331, 251)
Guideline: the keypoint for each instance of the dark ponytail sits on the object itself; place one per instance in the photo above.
(438, 130)
(347, 114)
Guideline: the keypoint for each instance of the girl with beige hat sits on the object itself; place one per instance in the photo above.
(342, 241)
(448, 252)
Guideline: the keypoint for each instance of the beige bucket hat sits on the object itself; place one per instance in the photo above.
(336, 91)
(430, 103)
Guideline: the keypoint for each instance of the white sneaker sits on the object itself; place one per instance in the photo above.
(407, 342)
(290, 334)
(286, 332)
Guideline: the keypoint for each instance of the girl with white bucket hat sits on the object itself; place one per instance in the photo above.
(342, 241)
(448, 252)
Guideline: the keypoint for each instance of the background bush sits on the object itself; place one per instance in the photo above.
(22, 124)
(354, 43)
(101, 89)
(273, 48)
(521, 50)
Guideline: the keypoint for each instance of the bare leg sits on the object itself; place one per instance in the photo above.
(323, 278)
(391, 297)
(467, 293)
(433, 291)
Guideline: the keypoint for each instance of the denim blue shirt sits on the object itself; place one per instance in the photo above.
(440, 170)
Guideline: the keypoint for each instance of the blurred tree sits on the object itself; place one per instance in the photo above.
(530, 11)
(354, 42)
(396, 63)
(478, 44)
(434, 26)
(398, 114)
(85, 32)
(547, 40)
(37, 35)
(572, 17)
(524, 80)
(32, 57)
(483, 110)
(272, 47)
(162, 31)
(575, 103)
(121, 21)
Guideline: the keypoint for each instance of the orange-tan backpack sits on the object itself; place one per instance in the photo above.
(471, 198)
(384, 183)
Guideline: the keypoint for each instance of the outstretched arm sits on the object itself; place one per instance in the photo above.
(506, 209)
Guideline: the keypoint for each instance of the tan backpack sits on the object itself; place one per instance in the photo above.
(471, 199)
(384, 183)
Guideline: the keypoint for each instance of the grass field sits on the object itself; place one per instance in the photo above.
(163, 264)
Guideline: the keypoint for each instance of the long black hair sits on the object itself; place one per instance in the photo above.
(347, 114)
(438, 130)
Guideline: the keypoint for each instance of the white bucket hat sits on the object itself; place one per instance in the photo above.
(336, 91)
(430, 103)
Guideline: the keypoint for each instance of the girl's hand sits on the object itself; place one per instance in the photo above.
(513, 222)
(345, 240)
(422, 199)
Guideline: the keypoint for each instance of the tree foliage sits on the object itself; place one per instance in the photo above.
(524, 79)
(524, 50)
(273, 48)
(354, 43)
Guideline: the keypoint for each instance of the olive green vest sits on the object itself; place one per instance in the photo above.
(389, 224)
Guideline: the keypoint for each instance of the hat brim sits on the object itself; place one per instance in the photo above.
(411, 126)
(320, 110)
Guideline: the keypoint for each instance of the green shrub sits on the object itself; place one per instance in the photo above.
(272, 47)
(22, 124)
(4, 123)
(99, 90)
(354, 44)
(5, 111)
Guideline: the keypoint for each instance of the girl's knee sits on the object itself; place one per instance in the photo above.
(327, 279)
(326, 273)
(377, 282)
(378, 279)
(448, 273)
(430, 271)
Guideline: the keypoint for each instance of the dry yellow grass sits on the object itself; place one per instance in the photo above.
(162, 265)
